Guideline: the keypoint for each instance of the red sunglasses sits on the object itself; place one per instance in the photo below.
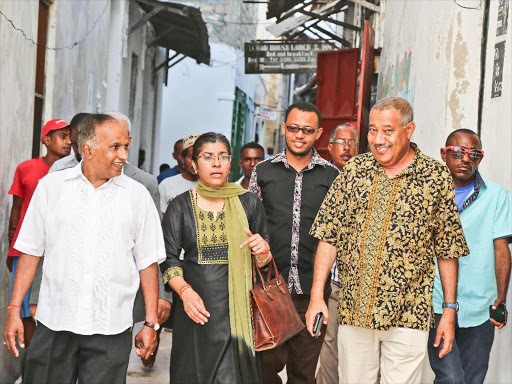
(460, 152)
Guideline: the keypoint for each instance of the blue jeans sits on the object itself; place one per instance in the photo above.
(468, 360)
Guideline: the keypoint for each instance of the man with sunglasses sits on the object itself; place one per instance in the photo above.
(485, 210)
(292, 186)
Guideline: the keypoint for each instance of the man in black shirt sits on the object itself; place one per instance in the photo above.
(292, 186)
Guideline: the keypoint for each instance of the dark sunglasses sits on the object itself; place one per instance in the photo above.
(459, 152)
(295, 129)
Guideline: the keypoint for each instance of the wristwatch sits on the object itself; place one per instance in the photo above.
(154, 326)
(452, 306)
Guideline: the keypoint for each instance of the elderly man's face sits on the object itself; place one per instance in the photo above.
(389, 141)
(463, 170)
(342, 153)
(111, 152)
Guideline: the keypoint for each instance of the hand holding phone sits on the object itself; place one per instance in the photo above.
(319, 318)
(499, 314)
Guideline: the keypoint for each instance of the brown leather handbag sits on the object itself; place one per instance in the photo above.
(274, 317)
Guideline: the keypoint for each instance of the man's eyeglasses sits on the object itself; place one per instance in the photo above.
(351, 143)
(459, 152)
(295, 129)
(209, 158)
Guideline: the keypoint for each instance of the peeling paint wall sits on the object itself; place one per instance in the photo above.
(96, 75)
(442, 79)
(431, 57)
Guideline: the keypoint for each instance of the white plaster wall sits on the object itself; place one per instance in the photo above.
(17, 82)
(94, 76)
(442, 83)
(76, 78)
(431, 57)
(497, 113)
(496, 137)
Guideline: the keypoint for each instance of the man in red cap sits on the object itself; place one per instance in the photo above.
(56, 139)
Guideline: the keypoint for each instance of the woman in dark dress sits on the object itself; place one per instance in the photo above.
(218, 225)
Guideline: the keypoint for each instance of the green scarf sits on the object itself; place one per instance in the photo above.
(239, 275)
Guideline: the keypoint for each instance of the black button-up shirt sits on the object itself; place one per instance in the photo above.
(291, 200)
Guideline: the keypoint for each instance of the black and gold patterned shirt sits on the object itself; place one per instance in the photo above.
(388, 233)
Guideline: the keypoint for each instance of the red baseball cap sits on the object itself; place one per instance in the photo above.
(52, 125)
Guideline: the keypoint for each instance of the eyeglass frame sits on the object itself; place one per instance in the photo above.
(343, 141)
(216, 157)
(466, 150)
(305, 130)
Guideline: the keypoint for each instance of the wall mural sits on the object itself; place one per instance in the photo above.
(395, 80)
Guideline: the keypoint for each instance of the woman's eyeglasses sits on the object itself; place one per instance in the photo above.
(459, 152)
(209, 158)
(295, 129)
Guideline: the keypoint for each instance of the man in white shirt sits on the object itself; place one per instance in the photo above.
(147, 180)
(101, 237)
(173, 186)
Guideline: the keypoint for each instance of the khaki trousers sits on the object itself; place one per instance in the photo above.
(396, 354)
(328, 369)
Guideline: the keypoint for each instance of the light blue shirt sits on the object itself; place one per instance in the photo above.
(486, 215)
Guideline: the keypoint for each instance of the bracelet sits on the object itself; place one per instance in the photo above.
(14, 307)
(181, 287)
(184, 289)
(269, 255)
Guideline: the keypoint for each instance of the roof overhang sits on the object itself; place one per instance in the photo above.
(308, 15)
(277, 7)
(177, 27)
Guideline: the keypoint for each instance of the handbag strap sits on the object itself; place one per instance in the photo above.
(256, 268)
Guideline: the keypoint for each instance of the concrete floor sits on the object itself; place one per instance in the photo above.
(159, 374)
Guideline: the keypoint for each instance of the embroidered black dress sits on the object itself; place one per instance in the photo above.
(204, 354)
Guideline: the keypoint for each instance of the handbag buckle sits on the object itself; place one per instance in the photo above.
(280, 286)
(266, 289)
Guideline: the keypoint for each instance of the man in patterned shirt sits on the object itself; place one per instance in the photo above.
(386, 219)
(292, 185)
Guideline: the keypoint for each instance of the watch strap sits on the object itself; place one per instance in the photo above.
(451, 305)
(154, 326)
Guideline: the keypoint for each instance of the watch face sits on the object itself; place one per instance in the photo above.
(157, 327)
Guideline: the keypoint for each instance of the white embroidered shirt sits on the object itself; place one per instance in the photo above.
(95, 242)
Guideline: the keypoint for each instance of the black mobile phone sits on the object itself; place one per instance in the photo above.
(499, 314)
(318, 323)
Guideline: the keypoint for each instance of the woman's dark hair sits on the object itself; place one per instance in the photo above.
(209, 137)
